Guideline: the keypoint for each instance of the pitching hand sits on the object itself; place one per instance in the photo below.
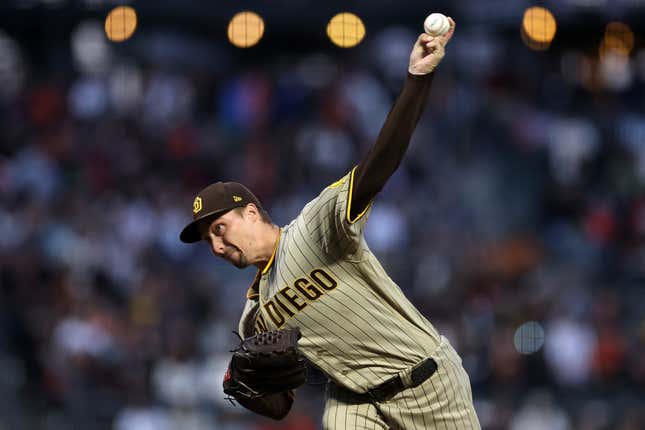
(428, 51)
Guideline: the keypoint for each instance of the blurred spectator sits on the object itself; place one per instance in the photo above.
(540, 412)
(569, 349)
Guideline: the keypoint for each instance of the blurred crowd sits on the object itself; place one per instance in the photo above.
(521, 200)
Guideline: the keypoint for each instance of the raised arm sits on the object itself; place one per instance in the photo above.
(384, 157)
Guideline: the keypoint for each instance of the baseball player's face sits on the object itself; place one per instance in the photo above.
(229, 238)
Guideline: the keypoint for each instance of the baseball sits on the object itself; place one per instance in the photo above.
(436, 24)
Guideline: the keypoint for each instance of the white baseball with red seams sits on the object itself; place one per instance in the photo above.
(436, 24)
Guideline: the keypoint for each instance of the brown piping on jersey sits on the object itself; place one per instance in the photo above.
(253, 292)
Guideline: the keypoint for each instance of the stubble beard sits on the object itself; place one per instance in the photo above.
(241, 263)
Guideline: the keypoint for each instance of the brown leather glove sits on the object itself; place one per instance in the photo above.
(262, 371)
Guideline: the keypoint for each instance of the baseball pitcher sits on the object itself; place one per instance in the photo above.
(321, 294)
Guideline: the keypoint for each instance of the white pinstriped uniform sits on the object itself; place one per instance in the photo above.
(357, 325)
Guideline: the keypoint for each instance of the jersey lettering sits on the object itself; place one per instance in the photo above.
(307, 289)
(283, 306)
(275, 307)
(260, 324)
(323, 279)
(274, 314)
(293, 299)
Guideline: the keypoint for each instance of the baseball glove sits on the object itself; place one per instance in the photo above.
(265, 364)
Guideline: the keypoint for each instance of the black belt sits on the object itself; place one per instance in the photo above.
(395, 385)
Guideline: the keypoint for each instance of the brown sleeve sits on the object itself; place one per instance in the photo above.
(385, 156)
(275, 406)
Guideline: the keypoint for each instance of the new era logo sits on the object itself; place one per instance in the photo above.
(237, 199)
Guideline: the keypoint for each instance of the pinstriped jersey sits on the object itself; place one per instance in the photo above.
(357, 325)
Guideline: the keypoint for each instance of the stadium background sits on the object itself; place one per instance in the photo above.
(516, 222)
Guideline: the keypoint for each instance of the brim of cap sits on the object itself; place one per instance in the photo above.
(190, 233)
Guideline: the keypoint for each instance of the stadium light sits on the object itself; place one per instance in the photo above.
(538, 28)
(346, 30)
(245, 29)
(120, 23)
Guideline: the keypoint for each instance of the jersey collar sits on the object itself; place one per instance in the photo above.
(275, 249)
(253, 293)
(254, 290)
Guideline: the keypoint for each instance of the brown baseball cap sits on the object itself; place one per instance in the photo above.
(213, 201)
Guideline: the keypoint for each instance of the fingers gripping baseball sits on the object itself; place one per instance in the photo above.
(428, 51)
